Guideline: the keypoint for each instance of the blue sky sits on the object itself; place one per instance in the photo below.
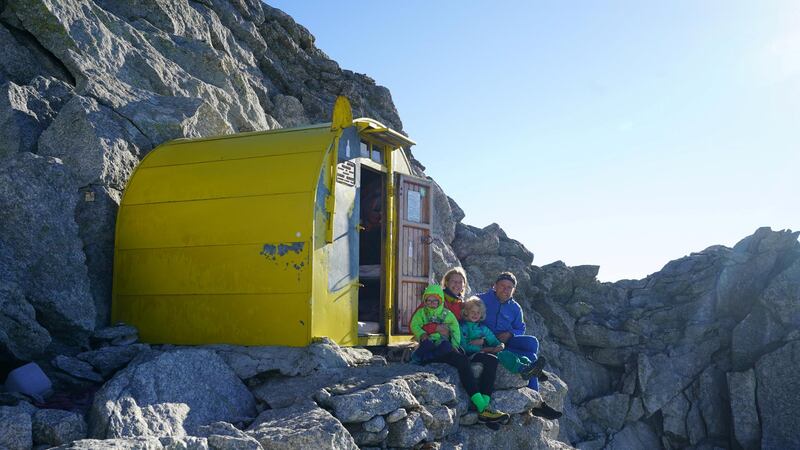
(623, 134)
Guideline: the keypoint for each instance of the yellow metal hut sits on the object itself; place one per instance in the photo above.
(275, 238)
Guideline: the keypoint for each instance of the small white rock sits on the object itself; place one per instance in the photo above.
(376, 424)
(470, 418)
(396, 415)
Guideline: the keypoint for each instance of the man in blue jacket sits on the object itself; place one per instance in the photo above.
(504, 318)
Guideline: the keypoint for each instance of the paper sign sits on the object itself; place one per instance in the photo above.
(414, 207)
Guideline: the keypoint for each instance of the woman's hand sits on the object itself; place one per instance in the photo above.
(443, 330)
(477, 342)
(504, 336)
(497, 349)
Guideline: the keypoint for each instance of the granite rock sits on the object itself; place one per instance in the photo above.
(169, 394)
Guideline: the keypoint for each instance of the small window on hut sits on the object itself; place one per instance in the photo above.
(365, 149)
(377, 156)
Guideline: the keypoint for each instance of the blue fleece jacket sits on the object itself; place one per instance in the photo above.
(502, 317)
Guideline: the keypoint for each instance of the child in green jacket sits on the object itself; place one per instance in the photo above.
(435, 346)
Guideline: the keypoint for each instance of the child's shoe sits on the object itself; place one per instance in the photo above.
(491, 416)
(535, 369)
(494, 426)
(545, 411)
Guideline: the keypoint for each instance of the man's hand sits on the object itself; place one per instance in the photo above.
(477, 342)
(504, 336)
(443, 330)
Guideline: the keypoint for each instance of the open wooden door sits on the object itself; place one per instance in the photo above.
(413, 247)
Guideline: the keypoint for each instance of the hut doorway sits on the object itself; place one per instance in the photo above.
(371, 247)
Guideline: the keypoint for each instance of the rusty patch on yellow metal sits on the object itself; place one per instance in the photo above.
(272, 251)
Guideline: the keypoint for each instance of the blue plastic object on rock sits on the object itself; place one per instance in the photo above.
(29, 380)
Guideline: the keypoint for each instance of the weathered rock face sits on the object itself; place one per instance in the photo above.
(664, 350)
(97, 85)
(42, 265)
(777, 394)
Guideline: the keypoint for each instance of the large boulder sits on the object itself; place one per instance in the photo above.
(16, 427)
(22, 59)
(41, 253)
(634, 435)
(559, 322)
(107, 360)
(778, 395)
(524, 433)
(746, 426)
(376, 400)
(596, 335)
(98, 144)
(407, 432)
(662, 376)
(782, 296)
(585, 378)
(608, 411)
(139, 443)
(516, 401)
(21, 336)
(300, 427)
(169, 394)
(711, 398)
(439, 420)
(57, 427)
(26, 111)
(674, 423)
(754, 259)
(759, 333)
(151, 79)
(249, 362)
(96, 215)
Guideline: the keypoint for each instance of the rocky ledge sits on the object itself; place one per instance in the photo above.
(231, 398)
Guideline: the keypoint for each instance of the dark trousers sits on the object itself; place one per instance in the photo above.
(430, 352)
(486, 380)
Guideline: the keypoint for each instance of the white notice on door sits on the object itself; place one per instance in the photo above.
(414, 207)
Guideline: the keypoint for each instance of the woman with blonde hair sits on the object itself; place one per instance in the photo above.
(454, 283)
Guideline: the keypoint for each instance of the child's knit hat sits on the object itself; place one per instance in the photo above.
(434, 289)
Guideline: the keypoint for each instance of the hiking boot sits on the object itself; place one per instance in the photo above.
(494, 426)
(506, 420)
(535, 369)
(491, 416)
(543, 377)
(546, 412)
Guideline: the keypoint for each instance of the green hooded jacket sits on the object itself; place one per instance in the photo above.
(440, 314)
